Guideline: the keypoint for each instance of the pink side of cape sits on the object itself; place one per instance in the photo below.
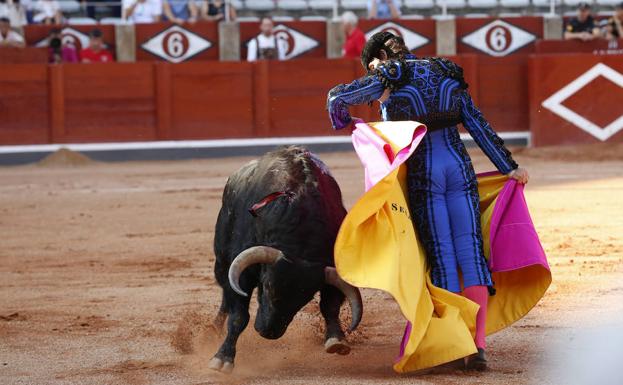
(376, 155)
(514, 241)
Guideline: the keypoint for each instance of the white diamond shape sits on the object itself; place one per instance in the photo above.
(554, 102)
(412, 40)
(297, 43)
(498, 38)
(170, 44)
(70, 36)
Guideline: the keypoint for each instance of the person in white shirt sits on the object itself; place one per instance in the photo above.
(8, 37)
(48, 12)
(266, 45)
(142, 11)
(14, 11)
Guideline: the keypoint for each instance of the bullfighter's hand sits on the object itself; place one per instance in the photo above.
(519, 174)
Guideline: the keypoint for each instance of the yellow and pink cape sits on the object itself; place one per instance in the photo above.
(377, 247)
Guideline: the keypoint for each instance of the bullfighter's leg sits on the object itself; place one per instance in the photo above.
(237, 321)
(331, 300)
(463, 205)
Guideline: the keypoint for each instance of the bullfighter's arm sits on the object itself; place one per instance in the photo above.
(490, 143)
(360, 91)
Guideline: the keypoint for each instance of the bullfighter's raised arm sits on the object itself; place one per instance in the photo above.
(360, 91)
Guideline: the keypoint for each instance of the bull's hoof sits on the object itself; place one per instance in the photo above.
(220, 365)
(228, 367)
(334, 345)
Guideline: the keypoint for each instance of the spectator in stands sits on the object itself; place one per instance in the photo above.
(614, 25)
(59, 51)
(29, 8)
(383, 9)
(215, 10)
(583, 25)
(355, 39)
(48, 12)
(266, 45)
(8, 37)
(13, 10)
(96, 52)
(142, 11)
(179, 11)
(91, 7)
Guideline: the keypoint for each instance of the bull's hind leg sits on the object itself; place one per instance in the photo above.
(237, 321)
(331, 300)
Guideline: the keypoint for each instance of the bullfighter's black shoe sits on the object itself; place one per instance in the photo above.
(477, 361)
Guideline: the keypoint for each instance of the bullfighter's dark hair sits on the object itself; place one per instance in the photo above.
(394, 46)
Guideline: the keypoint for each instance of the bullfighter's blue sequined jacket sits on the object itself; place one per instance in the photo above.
(430, 91)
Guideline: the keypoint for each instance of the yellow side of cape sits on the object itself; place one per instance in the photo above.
(377, 247)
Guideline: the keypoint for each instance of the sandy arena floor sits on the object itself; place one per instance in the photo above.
(106, 278)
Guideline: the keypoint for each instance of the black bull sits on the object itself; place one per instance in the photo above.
(275, 232)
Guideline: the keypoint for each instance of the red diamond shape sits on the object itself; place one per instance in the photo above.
(599, 101)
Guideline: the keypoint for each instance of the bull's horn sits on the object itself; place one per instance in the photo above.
(248, 257)
(351, 292)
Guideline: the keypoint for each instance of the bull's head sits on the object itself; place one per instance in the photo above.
(285, 286)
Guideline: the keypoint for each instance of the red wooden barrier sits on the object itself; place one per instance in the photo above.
(502, 90)
(576, 99)
(10, 55)
(599, 46)
(107, 102)
(215, 101)
(177, 43)
(24, 104)
(194, 100)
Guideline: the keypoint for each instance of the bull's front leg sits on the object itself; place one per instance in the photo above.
(331, 300)
(237, 321)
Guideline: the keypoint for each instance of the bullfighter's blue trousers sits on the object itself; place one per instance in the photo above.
(443, 195)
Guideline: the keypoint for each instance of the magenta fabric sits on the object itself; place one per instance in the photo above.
(513, 238)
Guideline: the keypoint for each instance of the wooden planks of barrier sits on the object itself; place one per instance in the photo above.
(202, 100)
(27, 55)
(24, 104)
(576, 99)
(598, 46)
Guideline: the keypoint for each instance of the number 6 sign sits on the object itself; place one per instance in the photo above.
(498, 38)
(176, 44)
